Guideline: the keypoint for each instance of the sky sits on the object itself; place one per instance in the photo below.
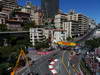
(89, 8)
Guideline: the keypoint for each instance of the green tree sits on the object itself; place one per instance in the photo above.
(92, 43)
(28, 25)
(13, 58)
(69, 38)
(43, 44)
(3, 69)
(6, 51)
(25, 41)
(1, 59)
(10, 53)
(12, 40)
(3, 27)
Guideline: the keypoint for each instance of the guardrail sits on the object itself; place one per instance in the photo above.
(11, 32)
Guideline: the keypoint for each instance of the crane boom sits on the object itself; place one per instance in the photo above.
(21, 55)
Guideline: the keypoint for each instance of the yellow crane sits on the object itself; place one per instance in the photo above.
(21, 55)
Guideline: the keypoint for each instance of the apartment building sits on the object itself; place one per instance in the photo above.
(72, 16)
(8, 4)
(35, 13)
(38, 17)
(83, 24)
(59, 35)
(96, 33)
(92, 23)
(40, 34)
(71, 28)
(82, 20)
(36, 35)
(13, 24)
(17, 20)
(59, 19)
(3, 17)
(55, 34)
(76, 24)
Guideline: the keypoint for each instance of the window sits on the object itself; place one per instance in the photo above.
(62, 32)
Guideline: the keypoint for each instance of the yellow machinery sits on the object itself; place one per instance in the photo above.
(21, 55)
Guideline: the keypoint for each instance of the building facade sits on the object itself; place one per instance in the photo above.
(96, 33)
(18, 19)
(36, 35)
(83, 24)
(55, 34)
(59, 19)
(49, 7)
(59, 35)
(8, 4)
(82, 20)
(3, 17)
(76, 24)
(71, 28)
(38, 18)
(35, 13)
(13, 24)
(92, 23)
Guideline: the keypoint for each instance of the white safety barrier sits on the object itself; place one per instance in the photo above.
(52, 68)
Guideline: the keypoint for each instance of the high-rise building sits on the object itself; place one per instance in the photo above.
(8, 3)
(50, 7)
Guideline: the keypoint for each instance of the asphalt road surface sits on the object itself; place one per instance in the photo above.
(66, 66)
(40, 66)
